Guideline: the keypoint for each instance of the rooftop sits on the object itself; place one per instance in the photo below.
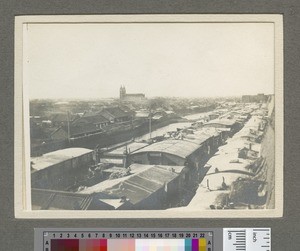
(227, 159)
(146, 180)
(216, 179)
(181, 148)
(91, 118)
(225, 122)
(53, 158)
(58, 200)
(142, 185)
(203, 199)
(134, 169)
(131, 147)
(116, 112)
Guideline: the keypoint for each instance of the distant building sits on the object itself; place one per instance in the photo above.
(116, 115)
(60, 119)
(259, 98)
(130, 97)
(75, 131)
(91, 123)
(95, 119)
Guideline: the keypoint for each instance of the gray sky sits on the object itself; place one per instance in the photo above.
(184, 60)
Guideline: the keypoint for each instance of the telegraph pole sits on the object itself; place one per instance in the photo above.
(68, 126)
(150, 126)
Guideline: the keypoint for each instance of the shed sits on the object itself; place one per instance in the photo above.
(180, 148)
(53, 158)
(149, 189)
(60, 169)
(232, 124)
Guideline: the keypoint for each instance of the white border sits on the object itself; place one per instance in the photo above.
(22, 181)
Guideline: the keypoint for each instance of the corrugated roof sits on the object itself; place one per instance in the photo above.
(58, 200)
(53, 158)
(135, 169)
(142, 185)
(181, 148)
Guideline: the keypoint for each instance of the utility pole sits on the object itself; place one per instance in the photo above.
(150, 126)
(68, 126)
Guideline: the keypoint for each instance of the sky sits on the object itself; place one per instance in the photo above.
(167, 59)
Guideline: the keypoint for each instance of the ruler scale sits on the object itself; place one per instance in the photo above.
(202, 239)
(246, 239)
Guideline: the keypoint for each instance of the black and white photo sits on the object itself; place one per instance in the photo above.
(149, 116)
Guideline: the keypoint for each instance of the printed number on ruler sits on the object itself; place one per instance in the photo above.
(247, 239)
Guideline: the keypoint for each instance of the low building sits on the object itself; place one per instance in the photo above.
(75, 131)
(230, 125)
(259, 98)
(168, 152)
(192, 153)
(60, 169)
(61, 119)
(154, 188)
(115, 115)
(147, 187)
(119, 155)
(92, 118)
(211, 137)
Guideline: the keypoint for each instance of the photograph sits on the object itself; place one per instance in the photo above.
(140, 116)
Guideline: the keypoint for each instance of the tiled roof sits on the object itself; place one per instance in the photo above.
(93, 119)
(62, 117)
(83, 129)
(115, 112)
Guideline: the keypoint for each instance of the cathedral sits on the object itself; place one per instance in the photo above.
(132, 96)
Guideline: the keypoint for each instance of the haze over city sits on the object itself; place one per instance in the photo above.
(179, 60)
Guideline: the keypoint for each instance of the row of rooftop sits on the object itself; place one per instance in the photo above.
(53, 126)
(159, 175)
(234, 176)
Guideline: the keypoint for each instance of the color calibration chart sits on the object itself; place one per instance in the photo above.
(229, 239)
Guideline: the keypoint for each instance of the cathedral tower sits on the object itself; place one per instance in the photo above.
(122, 92)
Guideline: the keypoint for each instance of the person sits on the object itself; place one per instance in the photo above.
(224, 186)
(207, 185)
